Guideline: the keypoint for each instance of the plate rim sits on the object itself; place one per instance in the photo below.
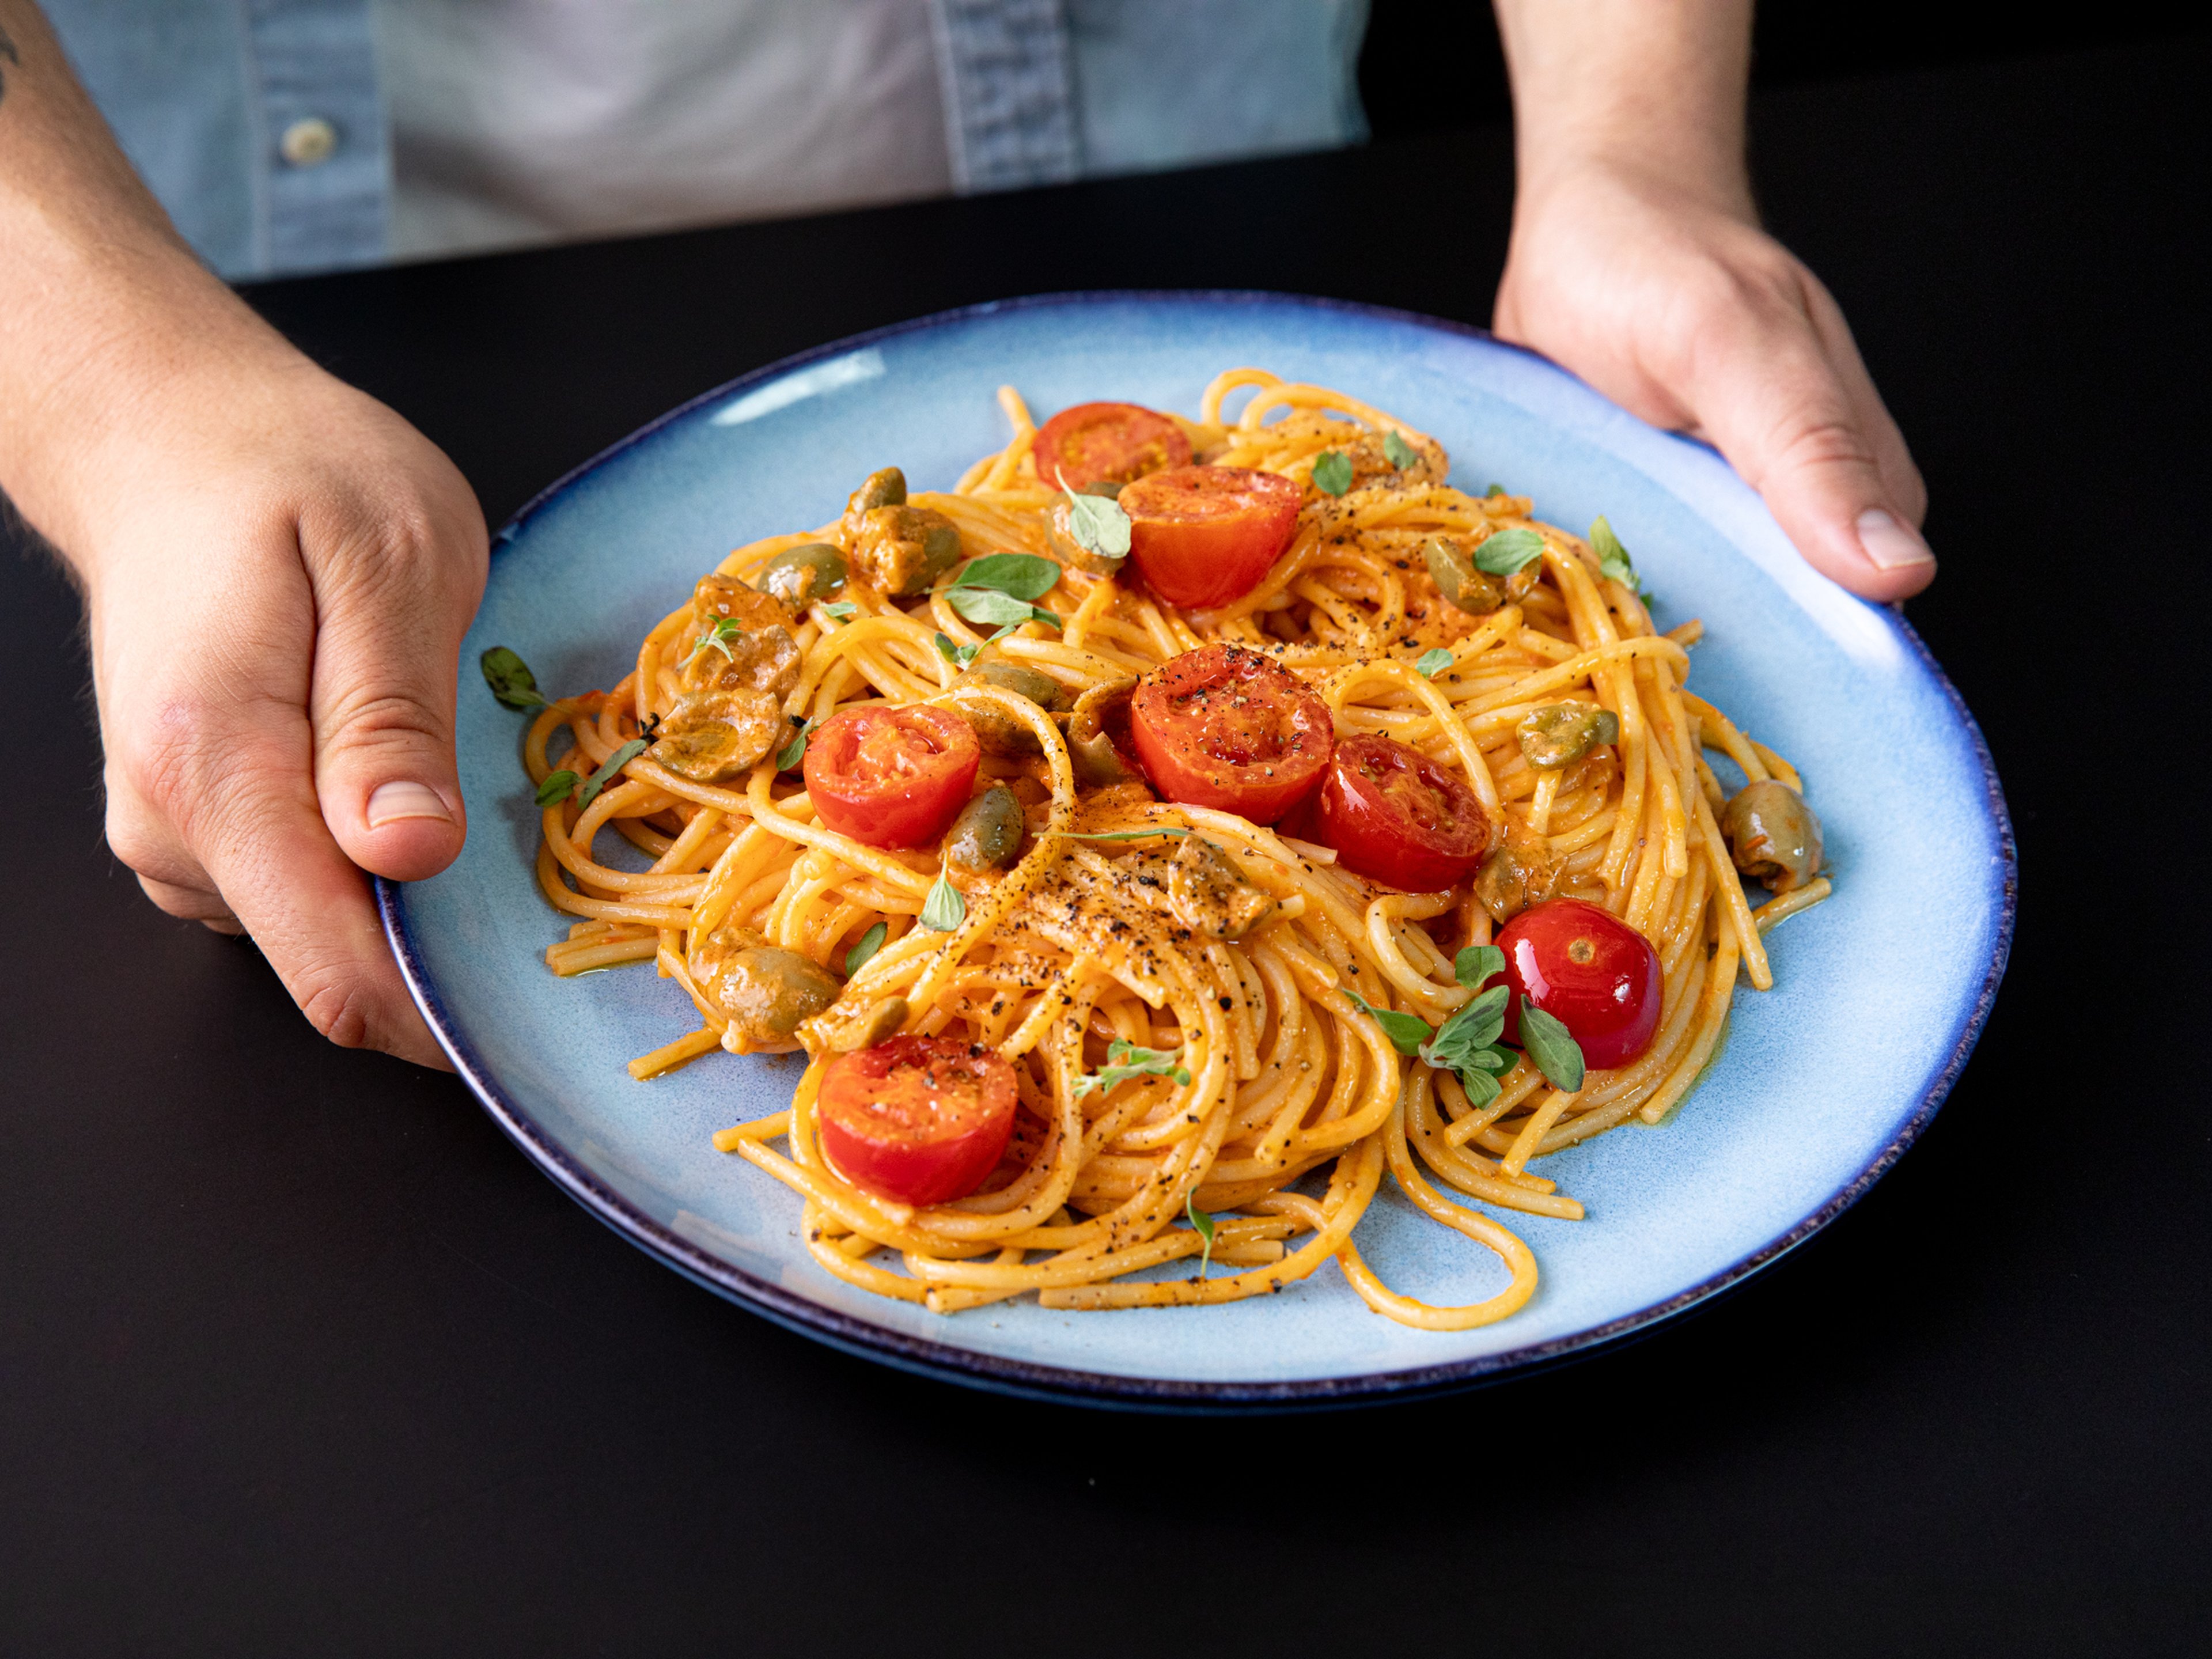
(998, 1373)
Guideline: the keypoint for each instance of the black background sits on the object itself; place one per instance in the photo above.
(297, 1355)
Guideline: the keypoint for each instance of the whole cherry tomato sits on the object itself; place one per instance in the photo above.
(918, 1120)
(1590, 971)
(1226, 728)
(891, 777)
(1393, 814)
(1205, 535)
(1106, 443)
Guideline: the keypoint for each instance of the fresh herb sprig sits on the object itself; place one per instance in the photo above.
(510, 679)
(1120, 834)
(1433, 663)
(960, 655)
(842, 610)
(1612, 560)
(1332, 473)
(1203, 1226)
(557, 785)
(1124, 1060)
(1400, 454)
(1468, 1043)
(717, 638)
(997, 588)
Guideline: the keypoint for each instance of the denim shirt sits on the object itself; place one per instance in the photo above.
(260, 125)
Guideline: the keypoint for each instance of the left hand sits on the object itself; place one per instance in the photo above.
(1672, 302)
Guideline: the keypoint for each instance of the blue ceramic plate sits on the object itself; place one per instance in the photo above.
(1801, 1115)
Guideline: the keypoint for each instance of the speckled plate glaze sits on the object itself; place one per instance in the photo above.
(1801, 1115)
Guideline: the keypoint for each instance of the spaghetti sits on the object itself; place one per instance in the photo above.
(1259, 1167)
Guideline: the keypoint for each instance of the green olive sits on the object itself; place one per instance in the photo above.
(1000, 734)
(1089, 746)
(1039, 688)
(879, 1023)
(941, 551)
(1562, 733)
(988, 831)
(800, 575)
(767, 992)
(1502, 885)
(884, 488)
(1462, 586)
(1209, 894)
(899, 549)
(1773, 834)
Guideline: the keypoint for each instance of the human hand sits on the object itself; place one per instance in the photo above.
(278, 571)
(1680, 309)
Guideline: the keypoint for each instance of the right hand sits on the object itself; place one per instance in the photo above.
(279, 571)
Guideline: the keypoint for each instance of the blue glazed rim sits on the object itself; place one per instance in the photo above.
(948, 1363)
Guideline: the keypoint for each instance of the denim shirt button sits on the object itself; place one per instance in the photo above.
(307, 141)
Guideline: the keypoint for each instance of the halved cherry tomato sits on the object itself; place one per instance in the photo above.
(891, 777)
(920, 1119)
(1393, 814)
(1205, 535)
(1589, 970)
(1102, 443)
(1226, 728)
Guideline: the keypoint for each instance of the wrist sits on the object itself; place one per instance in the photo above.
(120, 370)
(1646, 92)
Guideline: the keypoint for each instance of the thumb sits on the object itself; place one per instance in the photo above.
(390, 622)
(1790, 405)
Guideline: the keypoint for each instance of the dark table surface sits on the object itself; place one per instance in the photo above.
(298, 1355)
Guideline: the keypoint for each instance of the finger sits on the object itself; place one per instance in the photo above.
(248, 810)
(1760, 379)
(192, 904)
(389, 624)
(167, 871)
(1892, 458)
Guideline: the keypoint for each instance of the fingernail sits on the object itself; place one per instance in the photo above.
(393, 801)
(1888, 544)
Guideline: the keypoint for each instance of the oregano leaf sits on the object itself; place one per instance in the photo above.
(1477, 965)
(795, 750)
(1401, 454)
(1202, 1224)
(1332, 473)
(1481, 1088)
(1553, 1047)
(871, 942)
(607, 773)
(1124, 1060)
(1098, 525)
(943, 910)
(991, 605)
(1508, 551)
(1433, 663)
(510, 679)
(1024, 575)
(1406, 1032)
